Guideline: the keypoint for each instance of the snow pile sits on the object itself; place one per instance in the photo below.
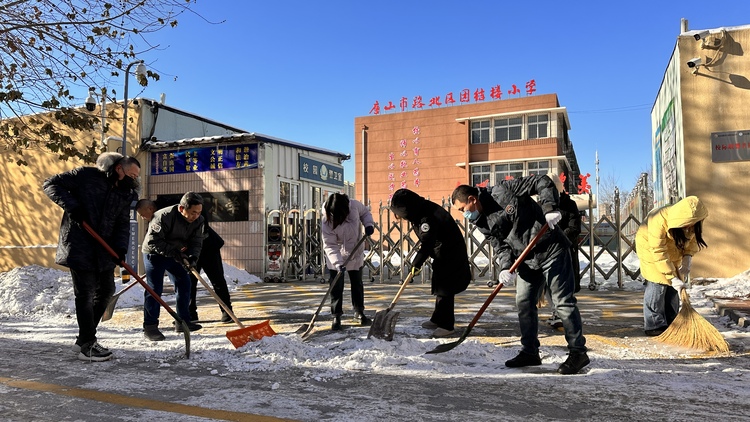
(35, 290)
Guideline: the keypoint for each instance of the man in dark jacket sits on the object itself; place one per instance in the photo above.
(174, 234)
(510, 219)
(100, 196)
(442, 241)
(210, 262)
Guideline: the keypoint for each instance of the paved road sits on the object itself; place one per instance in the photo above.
(41, 382)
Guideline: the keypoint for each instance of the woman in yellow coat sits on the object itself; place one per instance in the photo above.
(665, 244)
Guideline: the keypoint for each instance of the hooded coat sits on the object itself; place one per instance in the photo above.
(656, 248)
(511, 218)
(107, 207)
(441, 240)
(339, 243)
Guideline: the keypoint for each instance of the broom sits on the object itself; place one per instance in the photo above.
(690, 329)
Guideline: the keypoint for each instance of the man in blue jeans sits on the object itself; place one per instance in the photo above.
(510, 218)
(174, 234)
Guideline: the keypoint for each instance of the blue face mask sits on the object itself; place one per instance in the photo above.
(471, 215)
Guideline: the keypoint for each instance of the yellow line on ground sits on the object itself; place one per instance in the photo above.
(134, 402)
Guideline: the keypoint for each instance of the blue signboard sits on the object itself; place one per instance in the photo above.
(318, 171)
(213, 158)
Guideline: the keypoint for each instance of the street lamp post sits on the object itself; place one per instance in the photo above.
(139, 70)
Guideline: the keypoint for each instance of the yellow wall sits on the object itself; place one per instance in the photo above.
(716, 99)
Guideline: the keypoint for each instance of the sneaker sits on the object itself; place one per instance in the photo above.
(429, 325)
(191, 326)
(152, 332)
(524, 359)
(442, 332)
(336, 324)
(94, 352)
(575, 362)
(77, 346)
(554, 321)
(362, 319)
(655, 331)
(225, 317)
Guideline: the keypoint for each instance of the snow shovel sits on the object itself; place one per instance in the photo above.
(244, 335)
(306, 329)
(113, 301)
(385, 320)
(128, 268)
(448, 346)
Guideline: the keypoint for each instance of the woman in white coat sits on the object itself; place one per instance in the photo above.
(341, 230)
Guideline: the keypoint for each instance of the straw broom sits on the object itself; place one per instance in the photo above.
(690, 329)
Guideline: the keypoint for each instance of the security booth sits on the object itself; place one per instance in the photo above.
(263, 195)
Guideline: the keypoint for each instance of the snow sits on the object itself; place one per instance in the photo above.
(33, 299)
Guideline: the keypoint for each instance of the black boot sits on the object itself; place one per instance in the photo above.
(362, 319)
(191, 326)
(336, 324)
(152, 332)
(524, 359)
(575, 362)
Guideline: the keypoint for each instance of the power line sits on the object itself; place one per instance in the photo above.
(614, 110)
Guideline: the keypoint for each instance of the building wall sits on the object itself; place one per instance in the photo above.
(425, 146)
(715, 99)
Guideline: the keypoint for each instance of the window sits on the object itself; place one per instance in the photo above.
(479, 174)
(538, 167)
(508, 129)
(480, 132)
(315, 198)
(538, 126)
(508, 171)
(288, 195)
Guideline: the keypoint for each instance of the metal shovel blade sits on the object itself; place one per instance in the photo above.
(383, 325)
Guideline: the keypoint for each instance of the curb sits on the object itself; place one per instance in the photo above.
(730, 309)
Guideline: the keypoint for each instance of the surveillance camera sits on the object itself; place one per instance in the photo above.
(701, 35)
(694, 62)
(90, 102)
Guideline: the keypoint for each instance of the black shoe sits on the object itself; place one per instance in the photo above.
(194, 317)
(655, 332)
(336, 324)
(362, 319)
(94, 352)
(524, 359)
(575, 362)
(191, 326)
(225, 317)
(152, 332)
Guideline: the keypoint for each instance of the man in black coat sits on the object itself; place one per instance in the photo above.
(101, 196)
(210, 262)
(441, 240)
(510, 218)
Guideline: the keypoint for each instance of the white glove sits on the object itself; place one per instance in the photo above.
(506, 278)
(678, 284)
(685, 267)
(553, 218)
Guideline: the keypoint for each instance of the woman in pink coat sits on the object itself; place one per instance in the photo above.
(341, 229)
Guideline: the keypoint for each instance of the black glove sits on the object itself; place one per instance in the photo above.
(369, 230)
(121, 254)
(342, 269)
(78, 215)
(192, 260)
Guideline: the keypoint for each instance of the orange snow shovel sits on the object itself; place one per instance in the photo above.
(245, 334)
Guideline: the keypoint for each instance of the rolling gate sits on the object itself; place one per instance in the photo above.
(295, 250)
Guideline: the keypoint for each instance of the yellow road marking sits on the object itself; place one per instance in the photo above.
(133, 402)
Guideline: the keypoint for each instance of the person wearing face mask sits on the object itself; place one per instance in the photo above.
(665, 243)
(509, 218)
(441, 240)
(101, 197)
(174, 234)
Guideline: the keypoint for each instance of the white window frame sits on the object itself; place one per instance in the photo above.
(480, 173)
(530, 171)
(291, 202)
(480, 132)
(534, 126)
(507, 125)
(515, 169)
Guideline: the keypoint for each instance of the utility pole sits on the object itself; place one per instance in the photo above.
(598, 210)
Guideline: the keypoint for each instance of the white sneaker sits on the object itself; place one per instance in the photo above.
(442, 332)
(429, 325)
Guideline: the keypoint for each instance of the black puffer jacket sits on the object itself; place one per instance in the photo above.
(440, 238)
(511, 218)
(108, 209)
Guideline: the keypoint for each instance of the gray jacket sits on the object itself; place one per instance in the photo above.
(169, 232)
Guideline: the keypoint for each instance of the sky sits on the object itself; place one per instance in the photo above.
(302, 70)
(295, 379)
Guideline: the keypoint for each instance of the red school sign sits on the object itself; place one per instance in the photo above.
(465, 96)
